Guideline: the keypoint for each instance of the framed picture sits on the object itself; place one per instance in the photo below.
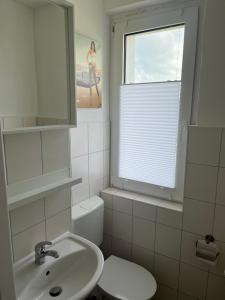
(88, 72)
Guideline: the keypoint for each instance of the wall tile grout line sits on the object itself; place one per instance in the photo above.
(215, 204)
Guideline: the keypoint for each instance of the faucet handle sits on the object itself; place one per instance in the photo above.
(41, 246)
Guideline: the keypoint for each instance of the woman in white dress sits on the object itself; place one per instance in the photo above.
(91, 60)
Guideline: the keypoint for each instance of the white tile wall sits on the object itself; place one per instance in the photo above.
(144, 233)
(27, 216)
(167, 271)
(58, 224)
(122, 204)
(201, 182)
(193, 281)
(165, 293)
(44, 219)
(29, 155)
(90, 158)
(204, 145)
(122, 226)
(183, 296)
(198, 216)
(222, 152)
(188, 250)
(80, 168)
(121, 248)
(108, 221)
(220, 199)
(163, 240)
(169, 217)
(220, 267)
(145, 211)
(95, 137)
(79, 140)
(143, 257)
(168, 241)
(219, 225)
(24, 242)
(56, 202)
(216, 288)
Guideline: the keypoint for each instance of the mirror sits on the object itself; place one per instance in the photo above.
(37, 82)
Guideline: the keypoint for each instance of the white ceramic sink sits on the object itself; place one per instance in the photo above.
(76, 271)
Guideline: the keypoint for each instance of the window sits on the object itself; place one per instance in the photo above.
(149, 113)
(155, 55)
(153, 103)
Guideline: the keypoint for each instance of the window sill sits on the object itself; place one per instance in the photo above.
(175, 206)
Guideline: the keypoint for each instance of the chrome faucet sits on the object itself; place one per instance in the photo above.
(41, 252)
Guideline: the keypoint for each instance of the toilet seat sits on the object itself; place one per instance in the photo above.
(125, 280)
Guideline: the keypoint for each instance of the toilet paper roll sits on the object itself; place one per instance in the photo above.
(207, 252)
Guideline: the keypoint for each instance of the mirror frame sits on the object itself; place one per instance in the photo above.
(70, 29)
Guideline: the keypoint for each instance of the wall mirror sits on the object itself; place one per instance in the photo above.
(37, 82)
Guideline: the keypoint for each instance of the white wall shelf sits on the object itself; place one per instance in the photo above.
(22, 193)
(35, 129)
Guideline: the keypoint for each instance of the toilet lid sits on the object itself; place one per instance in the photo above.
(126, 280)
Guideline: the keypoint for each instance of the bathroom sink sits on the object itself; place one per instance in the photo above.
(72, 276)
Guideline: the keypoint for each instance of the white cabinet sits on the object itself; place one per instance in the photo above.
(37, 74)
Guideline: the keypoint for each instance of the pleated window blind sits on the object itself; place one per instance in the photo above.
(148, 133)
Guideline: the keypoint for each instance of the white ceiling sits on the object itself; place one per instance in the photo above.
(115, 6)
(33, 3)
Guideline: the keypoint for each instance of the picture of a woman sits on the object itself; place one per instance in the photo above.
(91, 60)
(88, 72)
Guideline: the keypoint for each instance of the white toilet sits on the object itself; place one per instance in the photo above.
(121, 279)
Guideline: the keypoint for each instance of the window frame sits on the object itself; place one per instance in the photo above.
(189, 17)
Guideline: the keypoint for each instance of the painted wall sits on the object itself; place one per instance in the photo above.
(92, 21)
(212, 88)
(90, 140)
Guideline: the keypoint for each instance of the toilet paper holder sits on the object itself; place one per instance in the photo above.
(208, 238)
(207, 250)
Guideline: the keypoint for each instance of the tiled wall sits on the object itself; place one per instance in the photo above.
(34, 154)
(163, 240)
(30, 155)
(90, 159)
(41, 220)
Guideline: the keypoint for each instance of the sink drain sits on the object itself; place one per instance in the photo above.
(55, 291)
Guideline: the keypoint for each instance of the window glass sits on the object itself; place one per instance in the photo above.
(154, 56)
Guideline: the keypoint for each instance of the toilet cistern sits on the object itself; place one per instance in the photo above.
(41, 252)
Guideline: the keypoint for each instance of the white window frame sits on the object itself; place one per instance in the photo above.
(189, 17)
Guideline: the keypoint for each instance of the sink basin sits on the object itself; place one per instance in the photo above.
(72, 276)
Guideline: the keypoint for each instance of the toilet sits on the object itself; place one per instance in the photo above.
(121, 279)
